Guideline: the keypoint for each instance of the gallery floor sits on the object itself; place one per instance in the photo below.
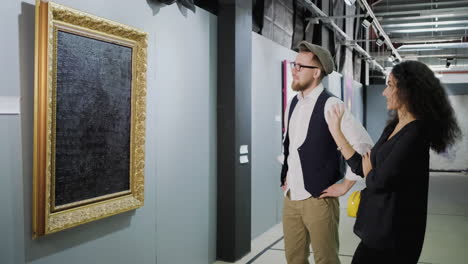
(446, 234)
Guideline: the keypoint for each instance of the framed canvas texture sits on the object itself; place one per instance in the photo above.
(89, 118)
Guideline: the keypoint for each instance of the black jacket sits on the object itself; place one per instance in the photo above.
(393, 208)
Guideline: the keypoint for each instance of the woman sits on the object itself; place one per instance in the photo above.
(391, 220)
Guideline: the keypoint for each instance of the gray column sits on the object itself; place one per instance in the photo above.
(234, 128)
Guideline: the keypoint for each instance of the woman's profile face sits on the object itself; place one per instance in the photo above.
(390, 93)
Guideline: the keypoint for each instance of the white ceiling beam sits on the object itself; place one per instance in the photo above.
(461, 45)
(432, 39)
(420, 17)
(421, 24)
(419, 30)
(408, 6)
(424, 12)
(422, 39)
(456, 56)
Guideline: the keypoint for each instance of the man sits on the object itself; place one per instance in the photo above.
(312, 164)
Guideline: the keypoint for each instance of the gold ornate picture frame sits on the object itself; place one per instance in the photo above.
(89, 123)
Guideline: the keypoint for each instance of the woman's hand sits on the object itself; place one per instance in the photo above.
(366, 164)
(285, 185)
(334, 115)
(338, 189)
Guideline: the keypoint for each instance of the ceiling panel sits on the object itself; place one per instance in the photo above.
(438, 25)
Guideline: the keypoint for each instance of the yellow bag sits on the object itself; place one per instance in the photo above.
(353, 203)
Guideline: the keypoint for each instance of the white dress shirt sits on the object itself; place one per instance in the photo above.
(354, 132)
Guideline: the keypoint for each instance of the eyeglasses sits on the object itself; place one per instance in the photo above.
(298, 66)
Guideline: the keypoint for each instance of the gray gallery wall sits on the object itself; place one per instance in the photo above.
(10, 173)
(357, 107)
(267, 57)
(376, 111)
(333, 83)
(180, 195)
(456, 157)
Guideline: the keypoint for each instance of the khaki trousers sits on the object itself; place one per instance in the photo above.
(311, 221)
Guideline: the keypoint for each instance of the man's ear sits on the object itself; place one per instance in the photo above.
(317, 73)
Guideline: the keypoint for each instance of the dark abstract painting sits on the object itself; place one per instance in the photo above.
(93, 115)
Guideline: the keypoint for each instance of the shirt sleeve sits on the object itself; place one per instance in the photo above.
(355, 163)
(354, 132)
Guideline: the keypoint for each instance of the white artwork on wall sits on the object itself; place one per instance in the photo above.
(9, 105)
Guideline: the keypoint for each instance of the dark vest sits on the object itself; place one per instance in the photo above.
(322, 164)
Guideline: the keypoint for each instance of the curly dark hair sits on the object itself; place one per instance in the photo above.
(425, 97)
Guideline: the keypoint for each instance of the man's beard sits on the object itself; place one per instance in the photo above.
(299, 87)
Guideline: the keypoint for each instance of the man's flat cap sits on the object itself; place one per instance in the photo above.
(322, 54)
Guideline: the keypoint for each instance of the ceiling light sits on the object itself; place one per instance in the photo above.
(418, 24)
(460, 45)
(393, 59)
(380, 41)
(350, 2)
(428, 30)
(367, 21)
